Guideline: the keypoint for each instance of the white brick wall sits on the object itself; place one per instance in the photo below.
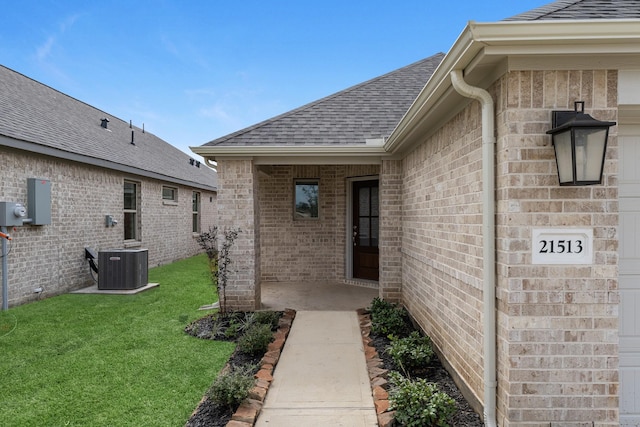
(294, 250)
(52, 256)
(557, 325)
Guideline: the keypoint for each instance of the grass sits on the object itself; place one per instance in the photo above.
(110, 360)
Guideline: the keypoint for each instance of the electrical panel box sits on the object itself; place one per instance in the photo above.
(39, 201)
(123, 268)
(12, 214)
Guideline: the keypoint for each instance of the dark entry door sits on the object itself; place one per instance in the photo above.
(364, 237)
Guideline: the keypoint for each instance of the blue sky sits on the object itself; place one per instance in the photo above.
(192, 71)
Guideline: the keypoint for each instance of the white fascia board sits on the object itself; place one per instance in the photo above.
(301, 154)
(484, 42)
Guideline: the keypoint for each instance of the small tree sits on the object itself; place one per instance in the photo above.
(219, 260)
(208, 241)
(224, 263)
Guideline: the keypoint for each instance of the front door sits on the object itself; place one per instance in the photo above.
(366, 212)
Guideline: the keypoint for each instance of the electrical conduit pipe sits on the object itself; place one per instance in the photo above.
(488, 239)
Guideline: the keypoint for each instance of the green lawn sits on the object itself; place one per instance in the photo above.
(110, 360)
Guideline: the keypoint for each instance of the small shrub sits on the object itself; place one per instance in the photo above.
(418, 403)
(255, 339)
(389, 319)
(231, 388)
(238, 324)
(270, 318)
(412, 352)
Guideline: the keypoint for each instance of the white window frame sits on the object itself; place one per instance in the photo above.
(196, 211)
(135, 211)
(173, 200)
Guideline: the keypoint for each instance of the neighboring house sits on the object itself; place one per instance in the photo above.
(159, 197)
(437, 199)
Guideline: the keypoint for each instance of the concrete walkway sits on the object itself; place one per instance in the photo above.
(321, 378)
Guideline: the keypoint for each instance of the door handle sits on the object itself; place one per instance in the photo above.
(355, 235)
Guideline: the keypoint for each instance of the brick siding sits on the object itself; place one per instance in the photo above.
(52, 256)
(557, 325)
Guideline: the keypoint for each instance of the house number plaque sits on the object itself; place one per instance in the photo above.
(562, 246)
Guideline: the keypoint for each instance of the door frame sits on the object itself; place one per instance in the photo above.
(348, 262)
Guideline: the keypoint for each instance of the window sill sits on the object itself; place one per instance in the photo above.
(132, 244)
(169, 203)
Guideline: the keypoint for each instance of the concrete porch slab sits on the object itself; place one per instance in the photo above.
(316, 295)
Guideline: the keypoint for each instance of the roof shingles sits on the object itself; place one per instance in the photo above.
(582, 9)
(37, 114)
(365, 111)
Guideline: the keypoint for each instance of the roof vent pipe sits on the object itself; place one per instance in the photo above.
(132, 141)
(488, 239)
(104, 123)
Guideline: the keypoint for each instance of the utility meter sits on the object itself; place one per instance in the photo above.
(11, 214)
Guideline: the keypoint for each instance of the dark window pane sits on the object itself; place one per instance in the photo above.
(306, 202)
(129, 195)
(168, 193)
(374, 202)
(363, 232)
(374, 231)
(364, 200)
(129, 226)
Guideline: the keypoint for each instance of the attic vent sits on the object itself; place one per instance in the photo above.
(104, 123)
(197, 164)
(192, 161)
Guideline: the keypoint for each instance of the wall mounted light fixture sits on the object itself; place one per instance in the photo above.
(580, 143)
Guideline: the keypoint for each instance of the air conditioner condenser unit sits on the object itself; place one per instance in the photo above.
(123, 269)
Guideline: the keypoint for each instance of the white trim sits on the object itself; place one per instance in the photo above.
(483, 46)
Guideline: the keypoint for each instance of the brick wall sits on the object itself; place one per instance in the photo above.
(238, 208)
(442, 242)
(390, 281)
(557, 324)
(295, 250)
(52, 256)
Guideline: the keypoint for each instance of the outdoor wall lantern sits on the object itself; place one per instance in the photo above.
(580, 143)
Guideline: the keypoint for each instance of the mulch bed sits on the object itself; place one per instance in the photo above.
(434, 372)
(209, 414)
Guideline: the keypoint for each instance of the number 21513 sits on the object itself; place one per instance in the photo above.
(560, 246)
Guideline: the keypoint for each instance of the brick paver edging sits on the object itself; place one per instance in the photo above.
(377, 374)
(248, 411)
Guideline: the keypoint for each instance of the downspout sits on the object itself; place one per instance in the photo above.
(488, 238)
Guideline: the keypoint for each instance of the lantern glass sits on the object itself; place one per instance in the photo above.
(564, 156)
(590, 145)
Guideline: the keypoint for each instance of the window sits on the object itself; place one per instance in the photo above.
(196, 212)
(306, 199)
(131, 211)
(169, 194)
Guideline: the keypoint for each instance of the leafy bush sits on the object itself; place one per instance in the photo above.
(255, 339)
(239, 322)
(231, 388)
(267, 318)
(418, 403)
(389, 319)
(412, 352)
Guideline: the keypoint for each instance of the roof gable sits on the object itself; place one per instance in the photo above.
(582, 9)
(369, 110)
(35, 117)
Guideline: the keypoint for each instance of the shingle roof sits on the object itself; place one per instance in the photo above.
(41, 118)
(366, 111)
(582, 9)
